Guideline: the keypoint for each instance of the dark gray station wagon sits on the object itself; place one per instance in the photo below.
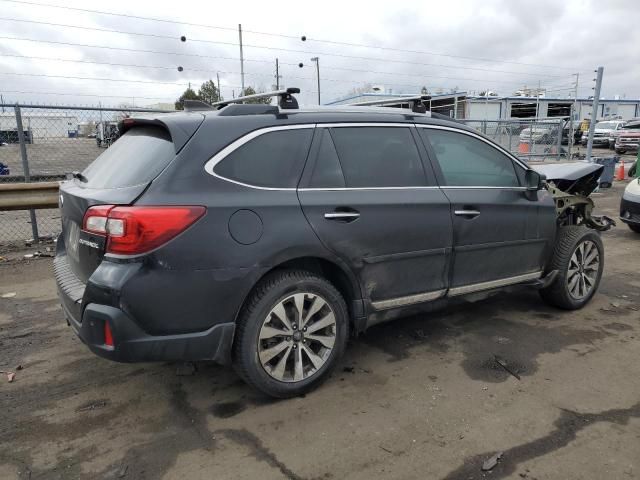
(262, 236)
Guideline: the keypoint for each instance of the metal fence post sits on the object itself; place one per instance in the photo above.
(25, 169)
(560, 132)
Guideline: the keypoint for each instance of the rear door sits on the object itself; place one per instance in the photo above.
(499, 235)
(368, 197)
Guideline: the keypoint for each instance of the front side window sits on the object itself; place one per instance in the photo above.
(273, 159)
(378, 157)
(468, 161)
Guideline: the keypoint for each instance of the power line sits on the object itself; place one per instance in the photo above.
(91, 78)
(170, 37)
(237, 73)
(332, 42)
(84, 95)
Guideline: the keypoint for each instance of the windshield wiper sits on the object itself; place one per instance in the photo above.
(79, 176)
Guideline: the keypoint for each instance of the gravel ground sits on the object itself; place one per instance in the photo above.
(422, 397)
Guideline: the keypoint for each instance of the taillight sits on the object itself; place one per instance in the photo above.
(95, 219)
(136, 230)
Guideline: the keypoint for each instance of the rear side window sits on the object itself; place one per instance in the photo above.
(378, 157)
(468, 161)
(136, 158)
(273, 159)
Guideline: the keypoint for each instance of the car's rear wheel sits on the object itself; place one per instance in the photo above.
(634, 227)
(290, 333)
(579, 259)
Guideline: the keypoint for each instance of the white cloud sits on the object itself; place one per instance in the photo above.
(573, 36)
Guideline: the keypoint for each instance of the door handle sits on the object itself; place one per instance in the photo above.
(467, 213)
(342, 216)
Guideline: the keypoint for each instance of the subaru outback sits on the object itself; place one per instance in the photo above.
(263, 236)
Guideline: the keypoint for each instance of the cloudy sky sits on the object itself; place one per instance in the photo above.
(498, 45)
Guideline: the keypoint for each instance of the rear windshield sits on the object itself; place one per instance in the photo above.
(135, 158)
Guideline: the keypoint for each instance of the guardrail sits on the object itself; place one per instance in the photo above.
(28, 196)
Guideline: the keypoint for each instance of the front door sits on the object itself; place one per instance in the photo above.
(500, 236)
(367, 196)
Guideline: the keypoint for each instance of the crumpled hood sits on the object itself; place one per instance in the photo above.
(575, 177)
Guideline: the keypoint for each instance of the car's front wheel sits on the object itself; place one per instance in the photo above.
(290, 333)
(634, 227)
(579, 259)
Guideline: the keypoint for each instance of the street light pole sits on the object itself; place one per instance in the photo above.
(241, 60)
(317, 62)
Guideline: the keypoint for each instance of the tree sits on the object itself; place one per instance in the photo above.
(188, 94)
(209, 92)
(251, 91)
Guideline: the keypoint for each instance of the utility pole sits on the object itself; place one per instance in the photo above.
(277, 76)
(571, 119)
(317, 61)
(218, 78)
(594, 112)
(241, 61)
(2, 102)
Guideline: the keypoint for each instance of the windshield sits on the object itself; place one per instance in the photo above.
(606, 125)
(135, 158)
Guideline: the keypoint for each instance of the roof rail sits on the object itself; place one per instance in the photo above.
(285, 101)
(416, 103)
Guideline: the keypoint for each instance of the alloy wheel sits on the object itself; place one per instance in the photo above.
(296, 337)
(583, 270)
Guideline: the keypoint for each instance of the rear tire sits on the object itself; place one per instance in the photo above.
(579, 258)
(290, 334)
(635, 228)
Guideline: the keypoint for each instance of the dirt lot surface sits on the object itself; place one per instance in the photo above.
(420, 398)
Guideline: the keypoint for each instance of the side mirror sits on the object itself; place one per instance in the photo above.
(534, 181)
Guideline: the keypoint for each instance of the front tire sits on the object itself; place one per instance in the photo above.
(579, 258)
(290, 334)
(634, 227)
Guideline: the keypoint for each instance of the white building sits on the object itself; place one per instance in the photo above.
(498, 108)
(52, 124)
(513, 107)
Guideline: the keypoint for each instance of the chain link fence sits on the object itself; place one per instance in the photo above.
(533, 140)
(46, 143)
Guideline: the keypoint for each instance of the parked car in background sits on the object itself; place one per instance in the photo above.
(262, 237)
(543, 133)
(602, 131)
(627, 141)
(629, 125)
(630, 205)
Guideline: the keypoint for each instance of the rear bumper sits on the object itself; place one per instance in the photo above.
(132, 344)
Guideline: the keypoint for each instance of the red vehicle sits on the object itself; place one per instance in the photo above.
(628, 141)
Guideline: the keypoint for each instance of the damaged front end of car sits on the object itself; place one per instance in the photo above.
(570, 184)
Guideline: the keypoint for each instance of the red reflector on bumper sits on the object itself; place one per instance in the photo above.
(108, 337)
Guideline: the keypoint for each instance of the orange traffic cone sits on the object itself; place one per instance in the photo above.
(620, 172)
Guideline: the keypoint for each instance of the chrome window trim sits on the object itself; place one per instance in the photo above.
(233, 146)
(479, 137)
(222, 154)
